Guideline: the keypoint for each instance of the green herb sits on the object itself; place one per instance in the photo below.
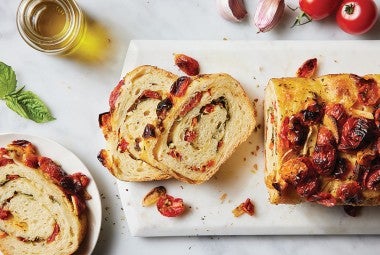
(24, 103)
(7, 80)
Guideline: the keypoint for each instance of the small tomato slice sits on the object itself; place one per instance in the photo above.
(319, 9)
(187, 64)
(356, 16)
(308, 68)
(170, 206)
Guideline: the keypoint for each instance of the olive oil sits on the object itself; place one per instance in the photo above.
(94, 44)
(49, 19)
(60, 27)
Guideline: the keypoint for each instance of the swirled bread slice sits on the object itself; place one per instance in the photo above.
(210, 117)
(161, 125)
(322, 140)
(42, 209)
(131, 120)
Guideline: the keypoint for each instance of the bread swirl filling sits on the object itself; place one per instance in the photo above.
(199, 132)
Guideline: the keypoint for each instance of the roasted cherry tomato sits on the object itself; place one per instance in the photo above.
(356, 16)
(170, 206)
(319, 9)
(187, 64)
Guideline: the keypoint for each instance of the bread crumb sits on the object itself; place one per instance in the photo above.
(246, 207)
(223, 197)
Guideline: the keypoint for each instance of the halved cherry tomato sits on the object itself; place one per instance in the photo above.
(319, 9)
(356, 16)
(187, 64)
(170, 206)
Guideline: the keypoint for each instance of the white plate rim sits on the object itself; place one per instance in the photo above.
(71, 164)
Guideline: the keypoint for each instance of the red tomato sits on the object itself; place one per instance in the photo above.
(356, 16)
(170, 206)
(319, 9)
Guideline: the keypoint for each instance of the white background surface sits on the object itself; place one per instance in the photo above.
(77, 93)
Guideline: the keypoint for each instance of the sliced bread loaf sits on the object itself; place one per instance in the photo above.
(161, 125)
(40, 210)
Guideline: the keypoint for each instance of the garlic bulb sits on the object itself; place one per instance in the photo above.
(268, 14)
(231, 10)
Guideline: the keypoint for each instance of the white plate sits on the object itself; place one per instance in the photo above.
(70, 164)
(253, 64)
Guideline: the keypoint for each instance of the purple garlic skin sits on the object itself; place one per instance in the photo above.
(268, 14)
(232, 10)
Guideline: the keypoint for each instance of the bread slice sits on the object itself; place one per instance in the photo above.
(40, 211)
(133, 112)
(204, 127)
(311, 128)
(161, 125)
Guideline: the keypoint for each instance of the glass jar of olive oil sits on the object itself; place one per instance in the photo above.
(51, 26)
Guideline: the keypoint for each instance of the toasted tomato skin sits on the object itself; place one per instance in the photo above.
(169, 206)
(319, 9)
(357, 16)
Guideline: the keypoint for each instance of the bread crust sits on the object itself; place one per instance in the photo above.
(287, 98)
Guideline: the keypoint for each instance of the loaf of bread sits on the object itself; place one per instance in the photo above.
(42, 209)
(322, 140)
(161, 125)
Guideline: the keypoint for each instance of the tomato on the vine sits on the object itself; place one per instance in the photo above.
(319, 9)
(170, 206)
(356, 16)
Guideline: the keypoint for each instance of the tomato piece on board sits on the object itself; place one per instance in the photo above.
(356, 16)
(170, 206)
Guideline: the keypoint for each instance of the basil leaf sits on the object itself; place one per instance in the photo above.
(29, 105)
(7, 80)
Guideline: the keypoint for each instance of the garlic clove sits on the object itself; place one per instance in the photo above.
(231, 10)
(268, 14)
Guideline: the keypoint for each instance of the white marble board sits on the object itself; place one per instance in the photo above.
(252, 63)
